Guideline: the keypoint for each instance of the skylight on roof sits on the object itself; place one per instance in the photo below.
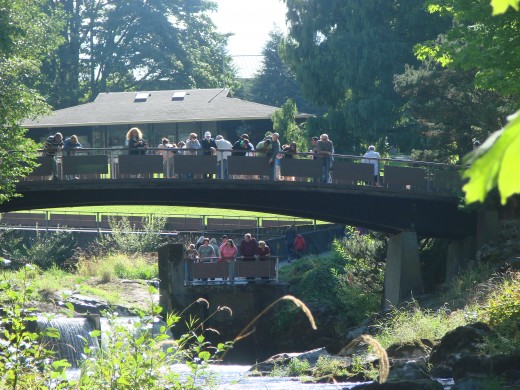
(141, 96)
(179, 95)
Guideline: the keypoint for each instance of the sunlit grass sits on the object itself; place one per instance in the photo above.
(118, 265)
(410, 324)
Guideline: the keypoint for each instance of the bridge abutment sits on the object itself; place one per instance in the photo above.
(403, 272)
(460, 252)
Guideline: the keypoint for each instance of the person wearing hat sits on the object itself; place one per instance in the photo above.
(207, 143)
(372, 157)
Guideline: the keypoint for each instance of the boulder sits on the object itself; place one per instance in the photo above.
(267, 366)
(416, 351)
(461, 341)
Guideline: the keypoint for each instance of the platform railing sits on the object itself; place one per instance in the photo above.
(238, 270)
(189, 164)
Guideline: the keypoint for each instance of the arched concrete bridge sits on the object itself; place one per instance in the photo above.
(428, 214)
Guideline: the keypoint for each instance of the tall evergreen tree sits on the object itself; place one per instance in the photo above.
(345, 54)
(275, 83)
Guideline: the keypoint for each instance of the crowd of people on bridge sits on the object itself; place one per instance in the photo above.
(270, 147)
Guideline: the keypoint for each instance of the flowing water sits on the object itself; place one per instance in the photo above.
(233, 377)
(73, 332)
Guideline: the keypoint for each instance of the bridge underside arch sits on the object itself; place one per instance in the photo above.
(381, 209)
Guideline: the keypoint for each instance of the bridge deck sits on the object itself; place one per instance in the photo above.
(413, 196)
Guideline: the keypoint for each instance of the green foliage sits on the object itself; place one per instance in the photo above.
(117, 265)
(468, 287)
(411, 323)
(46, 249)
(478, 40)
(501, 6)
(323, 282)
(135, 45)
(128, 238)
(494, 164)
(294, 368)
(345, 54)
(25, 363)
(365, 256)
(502, 307)
(140, 355)
(136, 355)
(275, 83)
(285, 125)
(445, 112)
(27, 34)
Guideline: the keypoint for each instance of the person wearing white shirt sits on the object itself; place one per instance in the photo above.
(372, 157)
(222, 144)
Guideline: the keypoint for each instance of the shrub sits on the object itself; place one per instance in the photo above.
(501, 309)
(25, 363)
(364, 256)
(130, 239)
(45, 249)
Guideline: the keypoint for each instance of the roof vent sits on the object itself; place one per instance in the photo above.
(141, 96)
(179, 95)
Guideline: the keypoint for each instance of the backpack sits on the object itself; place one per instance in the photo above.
(299, 243)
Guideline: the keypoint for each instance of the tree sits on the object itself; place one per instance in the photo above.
(490, 45)
(131, 45)
(27, 34)
(275, 83)
(479, 40)
(447, 113)
(285, 125)
(495, 163)
(345, 54)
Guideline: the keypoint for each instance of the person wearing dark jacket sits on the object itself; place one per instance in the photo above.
(248, 247)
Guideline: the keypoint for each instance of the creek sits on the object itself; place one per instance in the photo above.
(74, 331)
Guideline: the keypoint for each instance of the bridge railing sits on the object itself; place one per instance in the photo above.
(187, 164)
(236, 271)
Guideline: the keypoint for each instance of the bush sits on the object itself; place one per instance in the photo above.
(364, 256)
(129, 239)
(501, 310)
(45, 250)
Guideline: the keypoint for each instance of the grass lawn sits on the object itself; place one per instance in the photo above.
(164, 210)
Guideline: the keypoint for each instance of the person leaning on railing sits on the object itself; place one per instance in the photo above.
(228, 254)
(228, 251)
(262, 251)
(53, 145)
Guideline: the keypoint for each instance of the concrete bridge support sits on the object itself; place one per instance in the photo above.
(460, 252)
(403, 272)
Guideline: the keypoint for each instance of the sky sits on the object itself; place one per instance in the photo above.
(250, 21)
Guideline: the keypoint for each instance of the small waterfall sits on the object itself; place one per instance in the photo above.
(69, 346)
